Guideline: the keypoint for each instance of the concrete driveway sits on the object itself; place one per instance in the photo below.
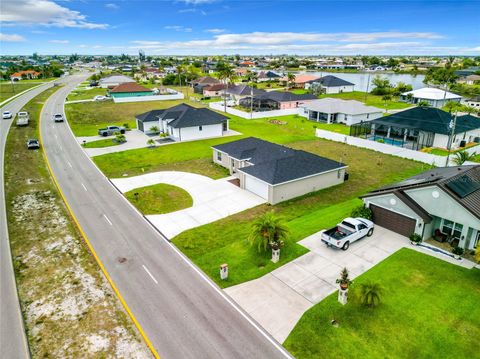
(278, 299)
(212, 199)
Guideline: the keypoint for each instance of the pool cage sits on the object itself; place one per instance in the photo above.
(405, 137)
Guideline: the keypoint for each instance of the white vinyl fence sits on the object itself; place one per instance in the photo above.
(247, 115)
(172, 96)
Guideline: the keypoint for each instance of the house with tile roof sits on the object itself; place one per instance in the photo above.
(277, 173)
(26, 74)
(129, 89)
(184, 122)
(442, 203)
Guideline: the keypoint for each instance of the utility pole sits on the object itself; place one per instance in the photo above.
(251, 101)
(368, 86)
(451, 125)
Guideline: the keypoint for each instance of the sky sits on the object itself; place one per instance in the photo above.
(246, 27)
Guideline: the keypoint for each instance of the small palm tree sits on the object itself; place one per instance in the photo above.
(386, 98)
(371, 294)
(290, 79)
(226, 73)
(268, 230)
(423, 104)
(154, 129)
(461, 157)
(151, 143)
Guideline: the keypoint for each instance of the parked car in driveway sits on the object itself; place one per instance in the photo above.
(33, 144)
(58, 117)
(100, 98)
(110, 130)
(6, 115)
(22, 118)
(347, 232)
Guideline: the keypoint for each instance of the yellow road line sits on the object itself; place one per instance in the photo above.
(90, 247)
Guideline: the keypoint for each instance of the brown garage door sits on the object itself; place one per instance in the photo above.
(393, 221)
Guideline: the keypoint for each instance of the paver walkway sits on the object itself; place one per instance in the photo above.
(278, 300)
(428, 158)
(212, 199)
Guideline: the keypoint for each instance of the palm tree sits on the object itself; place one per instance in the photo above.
(461, 157)
(371, 294)
(226, 73)
(290, 79)
(268, 230)
(386, 98)
(423, 103)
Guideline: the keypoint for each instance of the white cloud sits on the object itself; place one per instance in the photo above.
(43, 12)
(112, 6)
(59, 41)
(197, 2)
(11, 37)
(179, 28)
(215, 31)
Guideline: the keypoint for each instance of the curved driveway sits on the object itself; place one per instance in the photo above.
(13, 342)
(181, 311)
(212, 199)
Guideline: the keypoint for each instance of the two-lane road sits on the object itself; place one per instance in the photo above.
(182, 312)
(13, 343)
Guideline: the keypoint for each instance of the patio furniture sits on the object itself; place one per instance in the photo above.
(439, 236)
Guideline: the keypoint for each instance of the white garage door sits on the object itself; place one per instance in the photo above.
(255, 186)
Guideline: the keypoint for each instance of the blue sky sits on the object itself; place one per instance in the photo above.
(200, 27)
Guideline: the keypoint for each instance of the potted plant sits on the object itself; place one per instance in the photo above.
(458, 252)
(415, 239)
(344, 279)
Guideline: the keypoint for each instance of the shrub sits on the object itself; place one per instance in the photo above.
(363, 212)
(120, 138)
(414, 237)
(458, 250)
(151, 143)
(127, 127)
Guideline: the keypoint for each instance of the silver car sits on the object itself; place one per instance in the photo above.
(58, 117)
(33, 144)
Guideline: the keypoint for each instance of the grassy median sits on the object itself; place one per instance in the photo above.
(69, 308)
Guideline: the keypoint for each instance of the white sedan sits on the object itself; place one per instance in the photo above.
(6, 115)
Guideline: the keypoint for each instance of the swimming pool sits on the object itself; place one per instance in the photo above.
(388, 141)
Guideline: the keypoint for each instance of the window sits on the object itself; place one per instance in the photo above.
(452, 229)
(199, 128)
(447, 226)
(457, 230)
(219, 156)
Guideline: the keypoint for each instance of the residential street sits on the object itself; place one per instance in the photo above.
(181, 311)
(13, 342)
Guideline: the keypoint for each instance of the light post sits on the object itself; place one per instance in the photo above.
(368, 86)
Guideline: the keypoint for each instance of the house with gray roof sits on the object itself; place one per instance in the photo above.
(276, 100)
(184, 122)
(335, 110)
(277, 173)
(329, 84)
(442, 203)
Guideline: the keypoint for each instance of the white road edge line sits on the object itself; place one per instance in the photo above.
(69, 164)
(85, 188)
(260, 329)
(106, 218)
(150, 274)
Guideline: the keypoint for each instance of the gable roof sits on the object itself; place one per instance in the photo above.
(284, 96)
(331, 81)
(275, 164)
(429, 119)
(336, 105)
(207, 80)
(149, 116)
(130, 87)
(116, 79)
(216, 87)
(243, 90)
(184, 115)
(445, 178)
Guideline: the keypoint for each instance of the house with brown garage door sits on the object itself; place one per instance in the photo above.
(277, 173)
(442, 203)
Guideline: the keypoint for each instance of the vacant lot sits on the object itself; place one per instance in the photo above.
(430, 309)
(159, 198)
(8, 90)
(80, 94)
(70, 311)
(225, 241)
(86, 118)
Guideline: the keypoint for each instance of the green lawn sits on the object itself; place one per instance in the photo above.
(160, 198)
(224, 241)
(8, 90)
(108, 142)
(79, 94)
(86, 118)
(443, 152)
(430, 309)
(372, 100)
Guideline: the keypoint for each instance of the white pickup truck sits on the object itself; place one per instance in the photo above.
(22, 118)
(347, 232)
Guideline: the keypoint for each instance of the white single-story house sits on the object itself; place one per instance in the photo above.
(433, 96)
(330, 84)
(333, 110)
(114, 80)
(184, 122)
(473, 102)
(443, 203)
(277, 173)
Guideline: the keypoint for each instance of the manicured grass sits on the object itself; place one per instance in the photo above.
(79, 94)
(108, 142)
(8, 90)
(225, 241)
(429, 310)
(476, 158)
(160, 198)
(86, 118)
(444, 152)
(372, 100)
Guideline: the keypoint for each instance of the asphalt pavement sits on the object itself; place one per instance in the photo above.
(182, 312)
(13, 342)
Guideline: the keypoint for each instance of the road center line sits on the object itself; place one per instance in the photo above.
(150, 274)
(85, 188)
(106, 218)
